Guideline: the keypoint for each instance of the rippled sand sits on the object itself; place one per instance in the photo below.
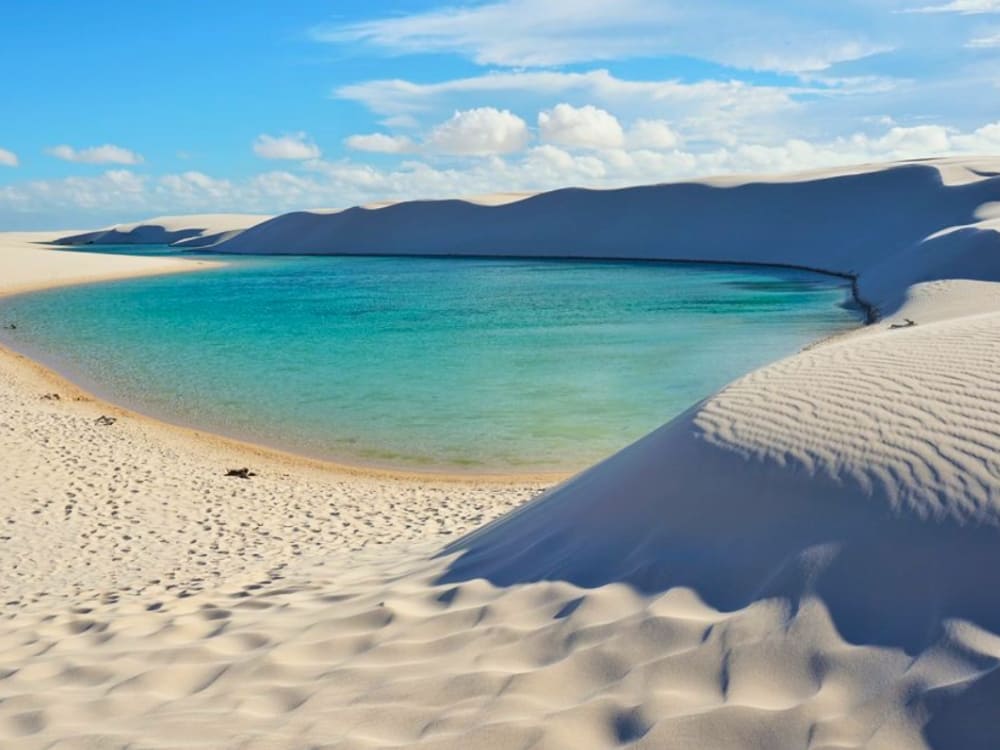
(807, 559)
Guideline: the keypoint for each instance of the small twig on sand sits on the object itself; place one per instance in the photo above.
(105, 421)
(907, 324)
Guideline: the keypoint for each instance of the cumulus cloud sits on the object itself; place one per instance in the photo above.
(116, 188)
(479, 132)
(544, 166)
(488, 131)
(547, 165)
(706, 107)
(580, 127)
(380, 143)
(190, 187)
(8, 158)
(292, 146)
(106, 154)
(984, 140)
(652, 134)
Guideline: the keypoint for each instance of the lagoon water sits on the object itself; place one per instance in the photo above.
(427, 363)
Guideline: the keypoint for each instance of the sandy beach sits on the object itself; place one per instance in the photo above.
(803, 560)
(101, 519)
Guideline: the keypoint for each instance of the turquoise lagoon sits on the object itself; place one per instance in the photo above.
(493, 365)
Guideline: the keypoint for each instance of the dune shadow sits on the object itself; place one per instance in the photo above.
(886, 581)
(671, 511)
(144, 234)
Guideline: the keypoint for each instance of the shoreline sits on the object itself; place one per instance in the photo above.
(869, 310)
(90, 269)
(53, 377)
(50, 379)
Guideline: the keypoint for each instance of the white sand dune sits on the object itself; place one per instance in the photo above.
(806, 559)
(28, 262)
(193, 230)
(924, 220)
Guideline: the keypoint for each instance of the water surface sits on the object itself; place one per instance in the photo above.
(427, 363)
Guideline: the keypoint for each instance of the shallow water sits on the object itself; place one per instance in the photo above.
(444, 363)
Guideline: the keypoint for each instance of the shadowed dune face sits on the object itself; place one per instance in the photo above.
(864, 473)
(842, 224)
(963, 252)
(965, 715)
(147, 234)
(188, 231)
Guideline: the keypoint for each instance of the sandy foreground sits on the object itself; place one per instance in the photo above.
(136, 522)
(807, 559)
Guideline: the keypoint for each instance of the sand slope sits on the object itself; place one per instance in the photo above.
(194, 230)
(872, 458)
(921, 219)
(806, 559)
(28, 262)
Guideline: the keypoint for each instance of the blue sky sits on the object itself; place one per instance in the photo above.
(120, 110)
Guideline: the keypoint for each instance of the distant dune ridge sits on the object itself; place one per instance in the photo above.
(183, 231)
(808, 558)
(903, 223)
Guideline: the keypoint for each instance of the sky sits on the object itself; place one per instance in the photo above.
(116, 110)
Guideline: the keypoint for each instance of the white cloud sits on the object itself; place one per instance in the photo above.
(580, 127)
(548, 166)
(338, 183)
(380, 143)
(984, 42)
(652, 134)
(106, 154)
(8, 158)
(192, 187)
(518, 32)
(705, 107)
(481, 131)
(488, 131)
(804, 60)
(293, 146)
(984, 140)
(399, 121)
(527, 33)
(117, 188)
(965, 7)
